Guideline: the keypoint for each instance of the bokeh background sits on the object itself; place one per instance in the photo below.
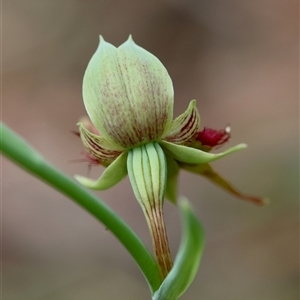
(239, 59)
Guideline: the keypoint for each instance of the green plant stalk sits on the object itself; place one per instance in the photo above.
(188, 257)
(17, 150)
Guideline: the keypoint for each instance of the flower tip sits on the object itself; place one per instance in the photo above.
(129, 41)
(193, 103)
(265, 202)
(79, 178)
(258, 201)
(184, 203)
(88, 183)
(242, 146)
(227, 129)
(101, 38)
(103, 44)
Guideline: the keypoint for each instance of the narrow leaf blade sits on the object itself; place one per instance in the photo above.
(188, 258)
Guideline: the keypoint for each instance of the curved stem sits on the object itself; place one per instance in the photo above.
(17, 150)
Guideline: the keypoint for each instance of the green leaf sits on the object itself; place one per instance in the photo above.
(17, 150)
(188, 258)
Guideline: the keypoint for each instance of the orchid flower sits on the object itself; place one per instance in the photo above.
(128, 95)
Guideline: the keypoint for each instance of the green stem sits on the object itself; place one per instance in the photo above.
(17, 150)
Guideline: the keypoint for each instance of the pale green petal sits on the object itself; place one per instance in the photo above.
(193, 156)
(185, 128)
(95, 86)
(172, 179)
(113, 174)
(128, 94)
(208, 172)
(147, 172)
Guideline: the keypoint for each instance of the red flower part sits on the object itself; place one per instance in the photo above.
(93, 161)
(88, 158)
(212, 137)
(77, 133)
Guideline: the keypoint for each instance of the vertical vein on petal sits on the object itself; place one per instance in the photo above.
(184, 128)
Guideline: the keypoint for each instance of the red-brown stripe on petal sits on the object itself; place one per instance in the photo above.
(97, 146)
(128, 94)
(184, 129)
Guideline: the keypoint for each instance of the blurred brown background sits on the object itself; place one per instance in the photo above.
(239, 59)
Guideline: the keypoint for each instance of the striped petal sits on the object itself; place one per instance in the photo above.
(98, 147)
(128, 94)
(185, 128)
